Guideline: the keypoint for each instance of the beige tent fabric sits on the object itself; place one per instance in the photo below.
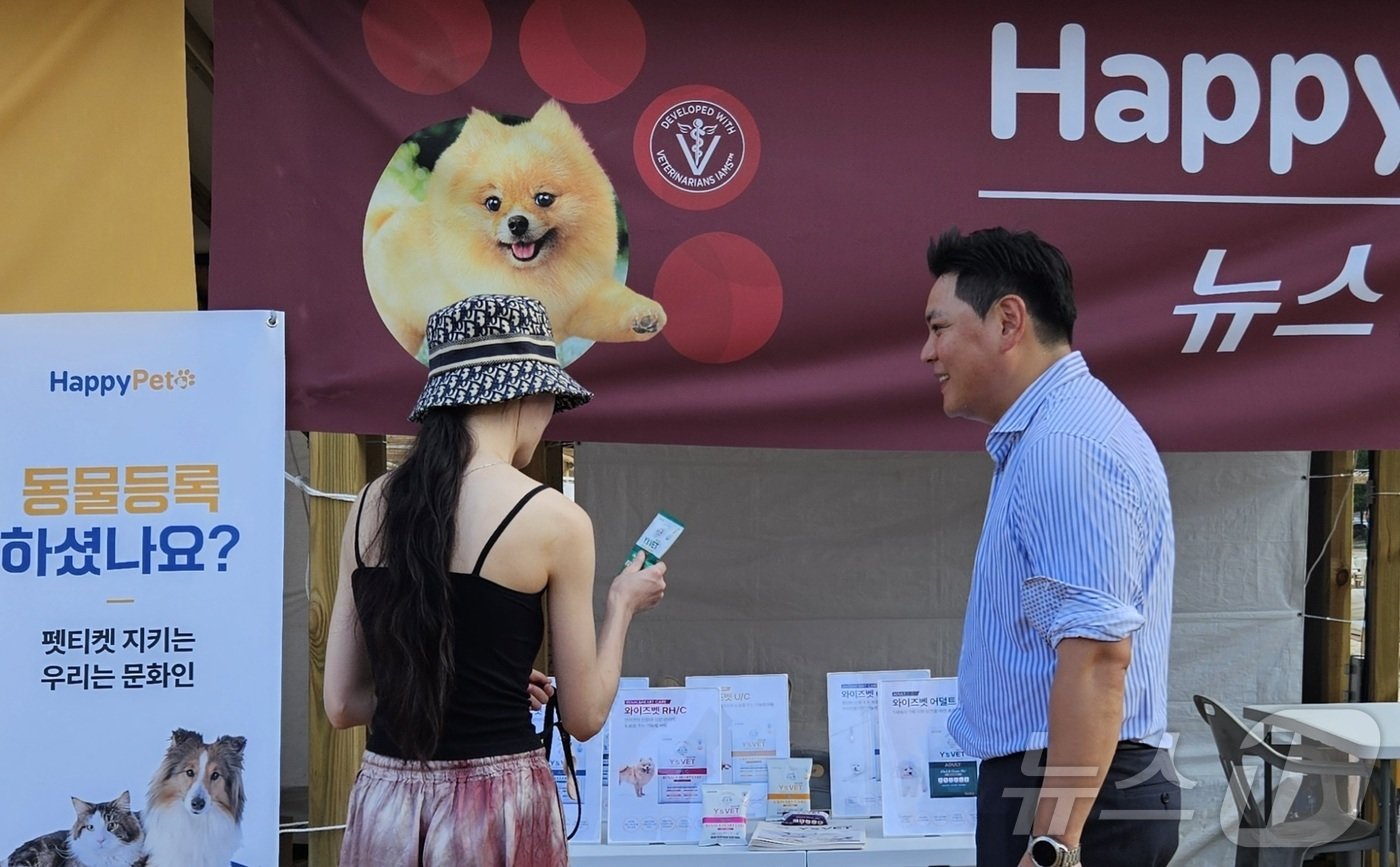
(96, 212)
(806, 562)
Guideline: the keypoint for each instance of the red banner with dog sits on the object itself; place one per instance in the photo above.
(725, 206)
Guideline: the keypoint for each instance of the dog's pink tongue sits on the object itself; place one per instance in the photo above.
(523, 251)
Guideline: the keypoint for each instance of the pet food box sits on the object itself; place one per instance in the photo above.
(928, 784)
(589, 770)
(664, 745)
(852, 699)
(754, 711)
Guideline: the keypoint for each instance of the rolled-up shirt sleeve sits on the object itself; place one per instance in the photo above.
(1079, 522)
(1058, 611)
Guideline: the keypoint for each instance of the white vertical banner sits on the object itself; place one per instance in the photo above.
(141, 570)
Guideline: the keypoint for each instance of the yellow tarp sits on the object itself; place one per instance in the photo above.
(94, 156)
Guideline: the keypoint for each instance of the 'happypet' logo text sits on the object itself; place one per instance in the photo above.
(120, 384)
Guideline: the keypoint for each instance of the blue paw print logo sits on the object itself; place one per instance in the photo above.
(184, 377)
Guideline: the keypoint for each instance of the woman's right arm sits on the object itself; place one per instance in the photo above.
(348, 691)
(587, 664)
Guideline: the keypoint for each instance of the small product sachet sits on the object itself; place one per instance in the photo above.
(725, 806)
(656, 539)
(789, 787)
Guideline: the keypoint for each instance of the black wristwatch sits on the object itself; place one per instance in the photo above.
(1049, 852)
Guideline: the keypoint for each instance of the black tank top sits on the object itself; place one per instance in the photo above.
(497, 634)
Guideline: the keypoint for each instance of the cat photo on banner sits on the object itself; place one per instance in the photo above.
(192, 818)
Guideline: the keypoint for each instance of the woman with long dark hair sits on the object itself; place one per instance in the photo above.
(439, 611)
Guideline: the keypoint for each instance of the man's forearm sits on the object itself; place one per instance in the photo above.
(1086, 717)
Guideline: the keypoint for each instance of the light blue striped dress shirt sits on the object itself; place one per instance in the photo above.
(1077, 543)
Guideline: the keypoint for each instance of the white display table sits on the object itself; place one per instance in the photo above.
(954, 850)
(638, 854)
(950, 850)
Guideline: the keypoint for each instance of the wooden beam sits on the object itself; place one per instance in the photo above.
(1382, 670)
(341, 463)
(1327, 643)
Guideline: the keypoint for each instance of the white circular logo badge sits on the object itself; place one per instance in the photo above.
(696, 147)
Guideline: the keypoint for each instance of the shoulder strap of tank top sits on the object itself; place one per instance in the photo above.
(364, 495)
(500, 528)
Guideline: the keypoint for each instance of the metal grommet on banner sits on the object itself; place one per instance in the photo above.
(272, 319)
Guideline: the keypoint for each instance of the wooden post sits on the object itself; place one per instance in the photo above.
(340, 463)
(1327, 643)
(1381, 673)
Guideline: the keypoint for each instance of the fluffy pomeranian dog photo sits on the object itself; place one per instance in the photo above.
(194, 807)
(639, 774)
(521, 209)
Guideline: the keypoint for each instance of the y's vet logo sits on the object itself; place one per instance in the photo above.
(696, 147)
(120, 384)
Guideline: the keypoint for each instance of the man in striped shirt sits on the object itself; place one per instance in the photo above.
(1062, 678)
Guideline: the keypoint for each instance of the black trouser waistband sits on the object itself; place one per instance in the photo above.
(1123, 747)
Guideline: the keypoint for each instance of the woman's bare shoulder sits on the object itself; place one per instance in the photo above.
(373, 494)
(563, 512)
(367, 513)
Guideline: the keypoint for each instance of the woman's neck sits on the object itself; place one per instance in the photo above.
(495, 438)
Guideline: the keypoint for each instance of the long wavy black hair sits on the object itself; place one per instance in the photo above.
(406, 609)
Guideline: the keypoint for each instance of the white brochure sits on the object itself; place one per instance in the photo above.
(851, 701)
(587, 809)
(929, 784)
(665, 745)
(756, 728)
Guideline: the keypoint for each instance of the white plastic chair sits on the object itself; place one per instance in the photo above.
(1286, 840)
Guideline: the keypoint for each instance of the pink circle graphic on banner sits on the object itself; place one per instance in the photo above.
(723, 298)
(696, 147)
(582, 51)
(427, 46)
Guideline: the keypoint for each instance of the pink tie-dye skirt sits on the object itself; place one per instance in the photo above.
(490, 812)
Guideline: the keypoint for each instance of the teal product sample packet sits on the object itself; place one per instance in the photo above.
(656, 539)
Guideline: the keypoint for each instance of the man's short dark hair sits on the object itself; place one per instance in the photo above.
(993, 263)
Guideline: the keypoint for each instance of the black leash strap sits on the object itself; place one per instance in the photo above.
(571, 786)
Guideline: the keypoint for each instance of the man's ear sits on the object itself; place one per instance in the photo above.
(1013, 319)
